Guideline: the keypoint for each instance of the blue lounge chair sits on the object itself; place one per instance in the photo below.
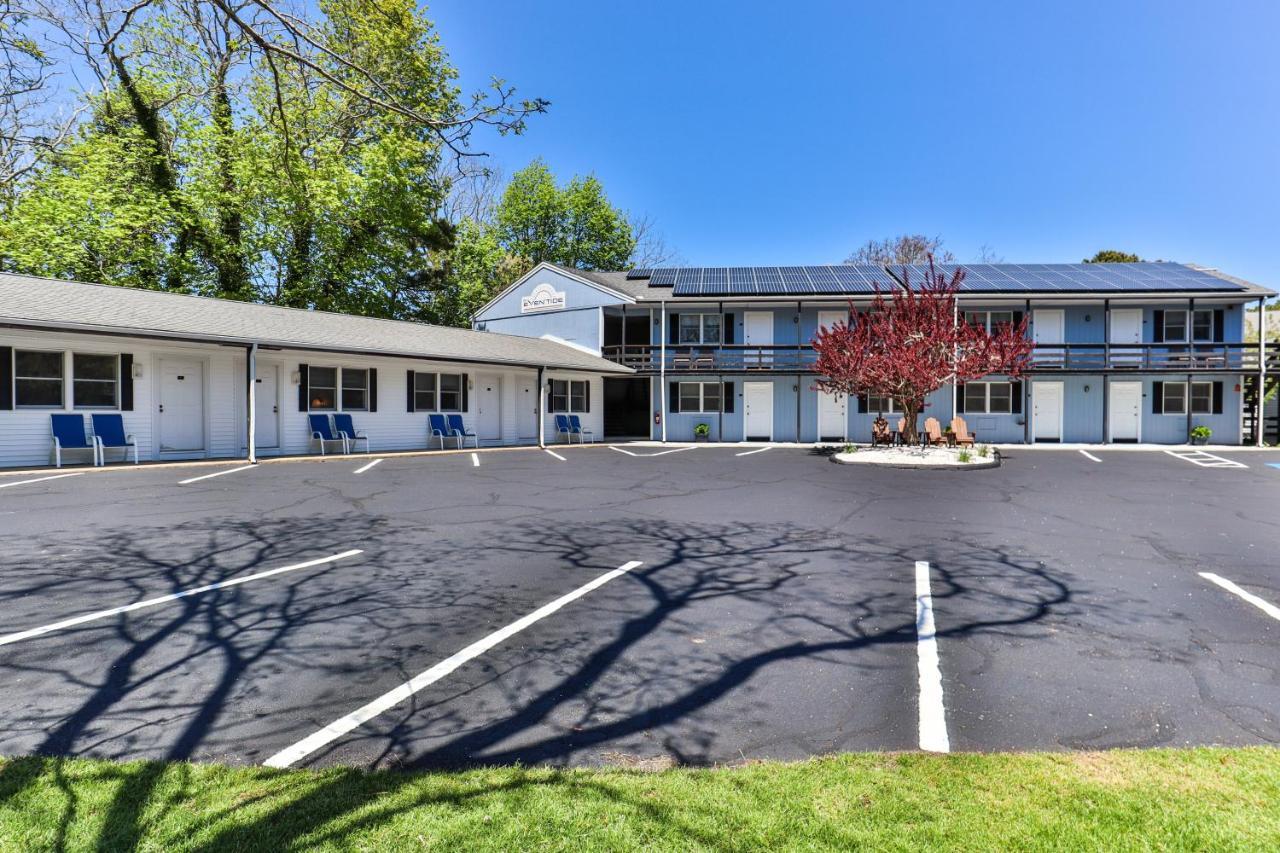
(68, 434)
(321, 432)
(439, 427)
(458, 428)
(563, 427)
(347, 429)
(576, 425)
(108, 432)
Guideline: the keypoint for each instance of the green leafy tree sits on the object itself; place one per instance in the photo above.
(1112, 256)
(574, 225)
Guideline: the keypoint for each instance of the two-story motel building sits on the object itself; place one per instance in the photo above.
(1124, 352)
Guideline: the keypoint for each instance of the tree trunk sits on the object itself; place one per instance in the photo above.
(911, 412)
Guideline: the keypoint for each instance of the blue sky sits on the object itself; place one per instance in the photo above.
(780, 133)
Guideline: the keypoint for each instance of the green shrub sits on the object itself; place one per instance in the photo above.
(1201, 432)
(965, 455)
(984, 451)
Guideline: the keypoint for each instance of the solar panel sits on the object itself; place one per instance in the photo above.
(639, 272)
(663, 278)
(1071, 278)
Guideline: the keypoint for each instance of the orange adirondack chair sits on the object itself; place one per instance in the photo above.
(961, 430)
(934, 431)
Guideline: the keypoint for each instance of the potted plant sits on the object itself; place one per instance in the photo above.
(702, 432)
(1200, 434)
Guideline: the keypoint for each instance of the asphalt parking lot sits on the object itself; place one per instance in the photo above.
(599, 607)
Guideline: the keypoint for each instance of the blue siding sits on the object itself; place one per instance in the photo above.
(581, 327)
(577, 296)
(1172, 429)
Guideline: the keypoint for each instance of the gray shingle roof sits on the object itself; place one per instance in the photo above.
(69, 305)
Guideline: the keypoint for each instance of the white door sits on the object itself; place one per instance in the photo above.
(1126, 328)
(1046, 411)
(1048, 328)
(757, 406)
(1125, 406)
(181, 405)
(489, 415)
(527, 408)
(833, 417)
(757, 332)
(830, 318)
(266, 433)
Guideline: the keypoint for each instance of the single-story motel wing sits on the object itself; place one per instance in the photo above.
(1133, 352)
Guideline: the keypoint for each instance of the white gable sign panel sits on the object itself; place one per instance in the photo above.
(543, 298)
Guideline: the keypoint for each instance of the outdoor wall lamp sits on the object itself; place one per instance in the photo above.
(295, 377)
(137, 370)
(1086, 389)
(1088, 317)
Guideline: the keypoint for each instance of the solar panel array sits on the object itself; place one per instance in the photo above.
(772, 281)
(1073, 278)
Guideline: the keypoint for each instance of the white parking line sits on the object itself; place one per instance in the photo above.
(186, 593)
(1088, 455)
(1262, 604)
(749, 452)
(214, 474)
(1204, 459)
(620, 450)
(425, 679)
(556, 455)
(41, 479)
(933, 715)
(475, 460)
(364, 468)
(659, 453)
(676, 450)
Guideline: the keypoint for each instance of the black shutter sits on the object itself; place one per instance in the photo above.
(673, 328)
(411, 401)
(1015, 397)
(862, 404)
(1157, 326)
(587, 395)
(1219, 325)
(1017, 318)
(126, 382)
(727, 325)
(550, 390)
(673, 398)
(960, 398)
(1217, 398)
(1157, 397)
(373, 389)
(302, 388)
(465, 404)
(6, 378)
(726, 397)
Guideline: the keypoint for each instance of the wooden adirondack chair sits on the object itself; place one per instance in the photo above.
(961, 430)
(880, 432)
(933, 431)
(902, 431)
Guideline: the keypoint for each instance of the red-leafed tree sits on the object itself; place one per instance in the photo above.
(911, 345)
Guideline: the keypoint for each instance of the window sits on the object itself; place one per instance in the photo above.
(424, 392)
(570, 396)
(355, 390)
(988, 398)
(451, 392)
(988, 320)
(882, 405)
(1202, 326)
(322, 388)
(94, 380)
(700, 397)
(1174, 400)
(1175, 326)
(699, 328)
(37, 379)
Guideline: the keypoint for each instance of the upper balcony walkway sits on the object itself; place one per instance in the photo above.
(1046, 358)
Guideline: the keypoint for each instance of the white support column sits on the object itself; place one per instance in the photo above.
(542, 395)
(251, 383)
(662, 371)
(1260, 425)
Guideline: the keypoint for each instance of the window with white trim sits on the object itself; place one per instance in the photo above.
(451, 392)
(988, 320)
(1175, 326)
(322, 389)
(355, 390)
(1174, 398)
(700, 328)
(700, 397)
(95, 381)
(988, 398)
(424, 392)
(37, 379)
(882, 404)
(569, 396)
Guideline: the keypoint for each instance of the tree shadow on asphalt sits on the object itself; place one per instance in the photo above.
(126, 705)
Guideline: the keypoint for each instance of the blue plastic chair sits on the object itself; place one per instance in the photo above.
(441, 428)
(108, 432)
(458, 428)
(563, 427)
(576, 425)
(69, 434)
(321, 432)
(347, 429)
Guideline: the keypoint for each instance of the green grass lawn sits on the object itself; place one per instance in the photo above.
(1199, 799)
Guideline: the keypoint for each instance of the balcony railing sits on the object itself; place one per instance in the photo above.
(784, 358)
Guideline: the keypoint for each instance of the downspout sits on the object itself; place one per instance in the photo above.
(1106, 372)
(1260, 426)
(542, 420)
(1028, 399)
(1190, 329)
(251, 406)
(662, 371)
